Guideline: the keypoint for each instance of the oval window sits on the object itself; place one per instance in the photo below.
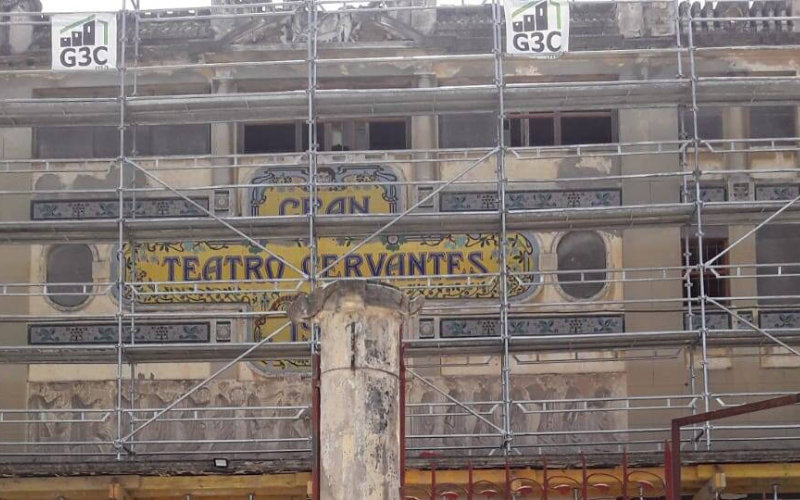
(69, 274)
(585, 253)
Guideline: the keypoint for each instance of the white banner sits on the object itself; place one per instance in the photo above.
(539, 28)
(84, 41)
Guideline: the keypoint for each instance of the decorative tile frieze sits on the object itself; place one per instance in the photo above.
(777, 192)
(474, 201)
(718, 320)
(553, 325)
(708, 194)
(779, 319)
(106, 333)
(422, 193)
(427, 328)
(740, 191)
(147, 208)
(223, 331)
(222, 201)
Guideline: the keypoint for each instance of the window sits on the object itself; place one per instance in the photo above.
(561, 129)
(715, 284)
(103, 142)
(272, 138)
(581, 251)
(772, 121)
(778, 245)
(69, 264)
(709, 123)
(469, 130)
(280, 138)
(387, 135)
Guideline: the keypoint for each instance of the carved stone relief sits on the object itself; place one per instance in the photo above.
(572, 425)
(244, 413)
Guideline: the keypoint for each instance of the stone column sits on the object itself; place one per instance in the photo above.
(15, 143)
(223, 143)
(735, 127)
(360, 328)
(424, 135)
(644, 247)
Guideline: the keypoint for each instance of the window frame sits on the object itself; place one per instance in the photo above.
(90, 288)
(559, 272)
(708, 275)
(557, 117)
(406, 124)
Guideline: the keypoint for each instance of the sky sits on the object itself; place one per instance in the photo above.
(113, 5)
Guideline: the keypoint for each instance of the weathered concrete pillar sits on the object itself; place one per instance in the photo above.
(424, 135)
(735, 127)
(360, 328)
(223, 143)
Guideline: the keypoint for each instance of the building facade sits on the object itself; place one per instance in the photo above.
(605, 240)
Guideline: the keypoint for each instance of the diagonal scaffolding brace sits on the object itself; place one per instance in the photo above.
(205, 381)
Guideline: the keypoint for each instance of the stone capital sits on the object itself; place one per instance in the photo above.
(352, 294)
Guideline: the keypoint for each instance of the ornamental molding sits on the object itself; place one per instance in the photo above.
(149, 208)
(106, 333)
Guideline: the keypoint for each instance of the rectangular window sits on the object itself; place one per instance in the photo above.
(320, 136)
(103, 142)
(587, 129)
(469, 130)
(280, 138)
(541, 131)
(561, 129)
(387, 135)
(709, 123)
(778, 253)
(772, 121)
(271, 138)
(715, 284)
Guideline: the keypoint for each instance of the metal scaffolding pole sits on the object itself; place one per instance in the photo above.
(118, 442)
(505, 362)
(701, 265)
(311, 154)
(131, 240)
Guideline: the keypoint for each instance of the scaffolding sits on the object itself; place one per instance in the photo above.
(494, 432)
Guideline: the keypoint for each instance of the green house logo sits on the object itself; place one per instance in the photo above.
(84, 33)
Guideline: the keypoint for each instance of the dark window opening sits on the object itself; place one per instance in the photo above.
(585, 253)
(585, 130)
(541, 131)
(561, 129)
(70, 264)
(468, 130)
(320, 136)
(387, 135)
(709, 123)
(715, 283)
(103, 142)
(772, 121)
(778, 252)
(270, 138)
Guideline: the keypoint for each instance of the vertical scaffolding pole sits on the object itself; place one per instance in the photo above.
(685, 193)
(311, 124)
(701, 265)
(311, 155)
(505, 362)
(131, 242)
(687, 278)
(120, 230)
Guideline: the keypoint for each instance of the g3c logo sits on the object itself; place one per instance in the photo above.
(84, 56)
